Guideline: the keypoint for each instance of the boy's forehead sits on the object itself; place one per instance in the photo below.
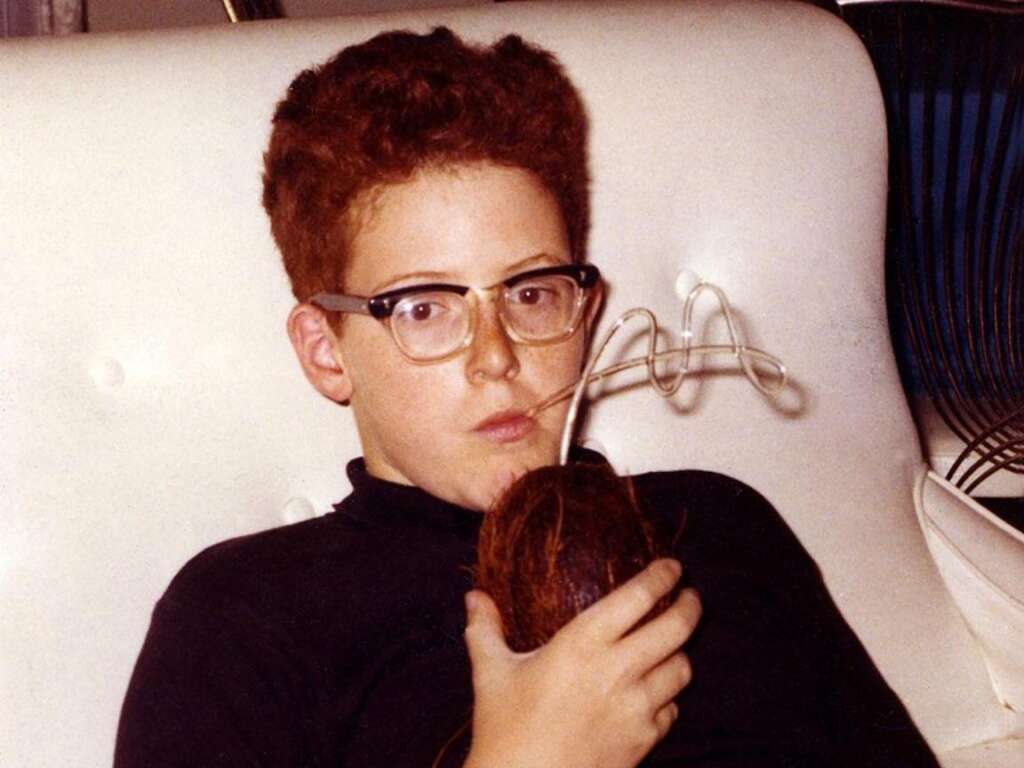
(473, 224)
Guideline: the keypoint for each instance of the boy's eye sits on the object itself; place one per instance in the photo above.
(422, 309)
(531, 295)
(528, 296)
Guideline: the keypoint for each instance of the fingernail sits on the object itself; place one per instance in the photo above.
(471, 602)
(677, 567)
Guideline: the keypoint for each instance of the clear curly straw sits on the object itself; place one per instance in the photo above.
(740, 351)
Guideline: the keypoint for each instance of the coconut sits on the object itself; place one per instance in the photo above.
(558, 540)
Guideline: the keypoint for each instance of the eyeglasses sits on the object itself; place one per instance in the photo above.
(435, 321)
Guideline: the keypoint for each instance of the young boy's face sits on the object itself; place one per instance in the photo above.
(455, 428)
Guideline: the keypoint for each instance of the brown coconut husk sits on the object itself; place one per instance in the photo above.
(558, 540)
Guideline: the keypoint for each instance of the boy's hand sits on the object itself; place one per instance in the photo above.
(596, 695)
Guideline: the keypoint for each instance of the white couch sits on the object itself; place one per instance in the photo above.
(150, 404)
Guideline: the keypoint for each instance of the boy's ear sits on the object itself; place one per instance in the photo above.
(317, 349)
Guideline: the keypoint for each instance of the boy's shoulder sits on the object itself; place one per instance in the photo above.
(706, 491)
(717, 512)
(267, 569)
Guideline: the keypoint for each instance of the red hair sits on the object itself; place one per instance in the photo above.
(378, 112)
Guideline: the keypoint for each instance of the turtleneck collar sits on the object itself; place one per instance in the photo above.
(382, 502)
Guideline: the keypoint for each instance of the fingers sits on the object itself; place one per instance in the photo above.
(617, 612)
(485, 639)
(664, 718)
(663, 635)
(663, 683)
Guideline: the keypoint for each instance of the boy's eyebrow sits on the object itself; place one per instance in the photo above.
(435, 277)
(442, 277)
(536, 260)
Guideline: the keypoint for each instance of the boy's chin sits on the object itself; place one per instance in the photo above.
(482, 479)
(480, 488)
(503, 479)
(497, 480)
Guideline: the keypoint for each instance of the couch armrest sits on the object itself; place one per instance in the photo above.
(981, 560)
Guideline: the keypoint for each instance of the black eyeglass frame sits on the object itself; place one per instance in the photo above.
(381, 305)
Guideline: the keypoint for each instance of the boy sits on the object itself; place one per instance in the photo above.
(430, 201)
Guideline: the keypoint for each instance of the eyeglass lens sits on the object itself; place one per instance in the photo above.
(433, 324)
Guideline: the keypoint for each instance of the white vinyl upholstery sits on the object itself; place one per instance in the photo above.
(150, 404)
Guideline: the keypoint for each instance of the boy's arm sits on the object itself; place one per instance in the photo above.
(209, 689)
(870, 725)
(778, 671)
(864, 722)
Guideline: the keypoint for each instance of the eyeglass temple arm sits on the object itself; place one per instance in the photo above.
(336, 302)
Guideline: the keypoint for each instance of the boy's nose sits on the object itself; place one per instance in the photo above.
(492, 354)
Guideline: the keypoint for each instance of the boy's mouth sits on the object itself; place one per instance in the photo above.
(505, 426)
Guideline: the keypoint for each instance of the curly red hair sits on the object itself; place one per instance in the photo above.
(378, 112)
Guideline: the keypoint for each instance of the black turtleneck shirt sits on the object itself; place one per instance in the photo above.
(339, 642)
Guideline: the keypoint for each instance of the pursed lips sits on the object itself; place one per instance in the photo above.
(505, 426)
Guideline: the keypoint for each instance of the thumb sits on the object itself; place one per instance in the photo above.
(485, 638)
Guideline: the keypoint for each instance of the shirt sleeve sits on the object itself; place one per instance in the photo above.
(867, 722)
(780, 678)
(210, 689)
(864, 722)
